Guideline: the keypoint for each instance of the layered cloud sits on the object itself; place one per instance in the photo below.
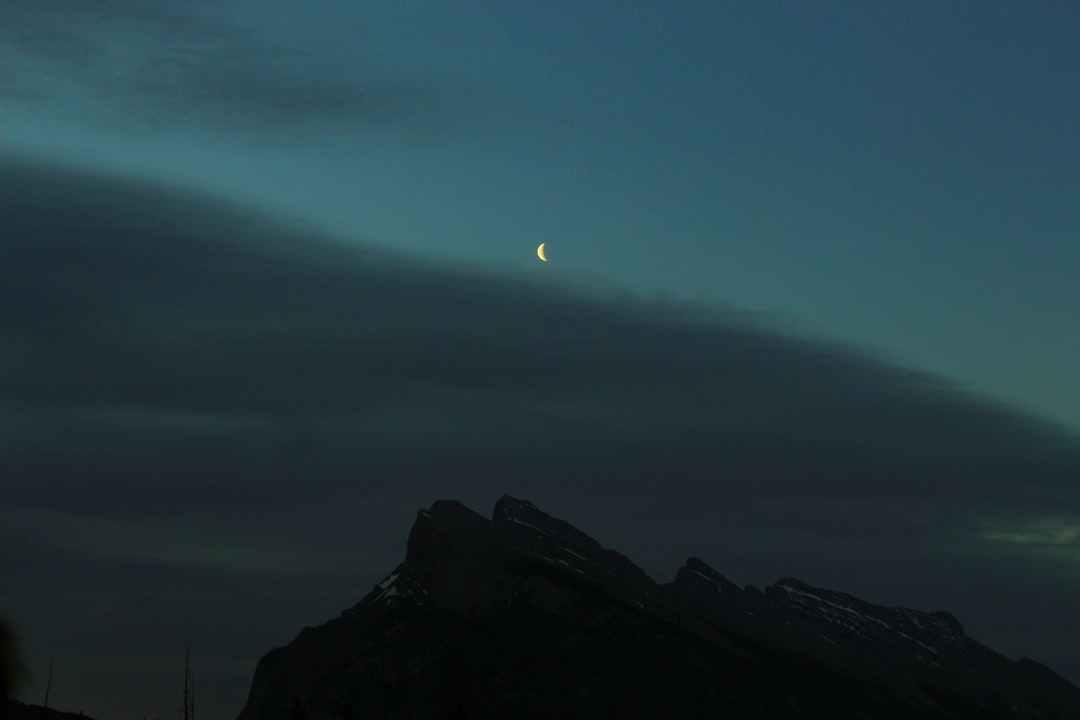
(150, 324)
(190, 390)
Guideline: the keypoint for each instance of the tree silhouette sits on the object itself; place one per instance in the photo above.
(48, 687)
(187, 710)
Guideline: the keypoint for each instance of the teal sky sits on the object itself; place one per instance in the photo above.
(190, 363)
(899, 176)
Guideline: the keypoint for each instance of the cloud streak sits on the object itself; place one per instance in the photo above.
(157, 66)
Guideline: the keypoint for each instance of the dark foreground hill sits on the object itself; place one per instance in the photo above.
(26, 711)
(524, 616)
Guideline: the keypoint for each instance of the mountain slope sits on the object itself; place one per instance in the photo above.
(525, 616)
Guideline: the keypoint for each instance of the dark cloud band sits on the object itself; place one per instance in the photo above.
(143, 323)
(199, 406)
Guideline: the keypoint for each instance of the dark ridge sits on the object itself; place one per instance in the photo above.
(28, 711)
(526, 616)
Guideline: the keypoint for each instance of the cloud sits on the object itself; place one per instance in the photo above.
(189, 390)
(1048, 531)
(143, 324)
(1052, 536)
(157, 65)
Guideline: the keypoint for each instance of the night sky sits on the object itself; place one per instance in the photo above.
(268, 286)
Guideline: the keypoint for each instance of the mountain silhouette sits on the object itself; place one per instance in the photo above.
(525, 616)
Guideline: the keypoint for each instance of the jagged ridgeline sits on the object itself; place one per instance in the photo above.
(525, 616)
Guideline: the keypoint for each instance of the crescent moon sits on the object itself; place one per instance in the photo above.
(540, 252)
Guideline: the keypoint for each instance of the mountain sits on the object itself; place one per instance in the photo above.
(525, 616)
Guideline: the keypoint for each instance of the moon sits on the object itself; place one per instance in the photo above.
(540, 252)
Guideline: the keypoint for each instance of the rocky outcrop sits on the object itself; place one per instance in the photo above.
(526, 616)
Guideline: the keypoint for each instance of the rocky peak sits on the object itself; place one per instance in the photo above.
(847, 611)
(696, 573)
(511, 513)
(558, 543)
(525, 584)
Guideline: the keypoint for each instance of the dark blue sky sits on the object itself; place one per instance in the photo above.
(816, 266)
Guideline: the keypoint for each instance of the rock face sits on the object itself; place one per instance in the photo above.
(525, 616)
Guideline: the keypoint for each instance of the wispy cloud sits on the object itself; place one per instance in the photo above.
(159, 65)
(1052, 536)
(1044, 532)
